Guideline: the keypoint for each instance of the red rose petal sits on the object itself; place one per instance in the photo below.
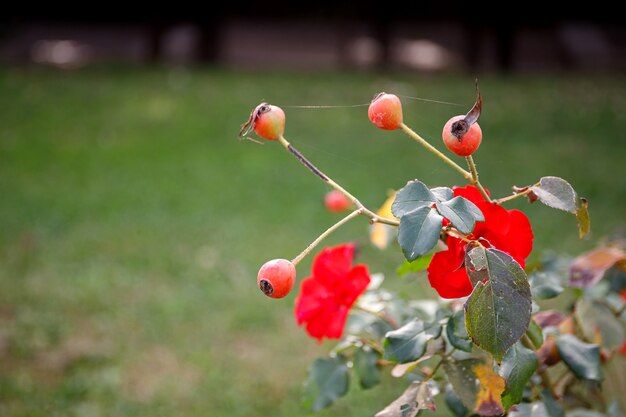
(331, 264)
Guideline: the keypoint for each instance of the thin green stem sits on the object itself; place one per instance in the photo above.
(324, 235)
(519, 194)
(436, 368)
(475, 181)
(375, 218)
(436, 152)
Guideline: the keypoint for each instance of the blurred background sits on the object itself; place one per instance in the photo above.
(133, 222)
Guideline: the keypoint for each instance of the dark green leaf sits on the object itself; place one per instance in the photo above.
(595, 316)
(415, 398)
(463, 379)
(408, 343)
(553, 408)
(419, 232)
(497, 313)
(366, 367)
(462, 213)
(442, 193)
(414, 195)
(583, 359)
(454, 403)
(328, 380)
(535, 334)
(417, 265)
(457, 333)
(545, 284)
(582, 215)
(518, 365)
(557, 193)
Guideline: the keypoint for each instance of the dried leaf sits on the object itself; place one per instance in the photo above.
(589, 268)
(582, 215)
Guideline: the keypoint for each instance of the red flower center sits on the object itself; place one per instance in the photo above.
(506, 230)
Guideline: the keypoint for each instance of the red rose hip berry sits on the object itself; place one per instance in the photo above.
(459, 138)
(336, 202)
(276, 278)
(266, 120)
(385, 111)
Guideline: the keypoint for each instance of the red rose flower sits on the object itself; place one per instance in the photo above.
(506, 230)
(326, 296)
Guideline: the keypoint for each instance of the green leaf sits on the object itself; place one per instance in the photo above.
(518, 366)
(545, 284)
(595, 317)
(463, 379)
(413, 196)
(328, 380)
(553, 408)
(442, 193)
(457, 333)
(408, 343)
(583, 359)
(366, 367)
(537, 409)
(582, 215)
(535, 334)
(497, 313)
(454, 403)
(462, 213)
(415, 398)
(614, 411)
(557, 193)
(419, 232)
(417, 265)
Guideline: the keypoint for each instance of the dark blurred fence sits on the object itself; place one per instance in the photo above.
(340, 35)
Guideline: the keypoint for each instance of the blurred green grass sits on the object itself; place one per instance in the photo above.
(132, 221)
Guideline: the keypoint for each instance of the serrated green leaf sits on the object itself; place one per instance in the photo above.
(408, 343)
(518, 366)
(583, 359)
(497, 313)
(457, 333)
(582, 216)
(328, 381)
(545, 284)
(442, 193)
(462, 213)
(415, 398)
(557, 193)
(597, 320)
(366, 367)
(535, 334)
(412, 196)
(419, 232)
(454, 403)
(417, 265)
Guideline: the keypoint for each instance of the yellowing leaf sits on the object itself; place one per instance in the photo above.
(582, 215)
(488, 399)
(381, 234)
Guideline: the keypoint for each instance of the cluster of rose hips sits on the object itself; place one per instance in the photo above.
(461, 135)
